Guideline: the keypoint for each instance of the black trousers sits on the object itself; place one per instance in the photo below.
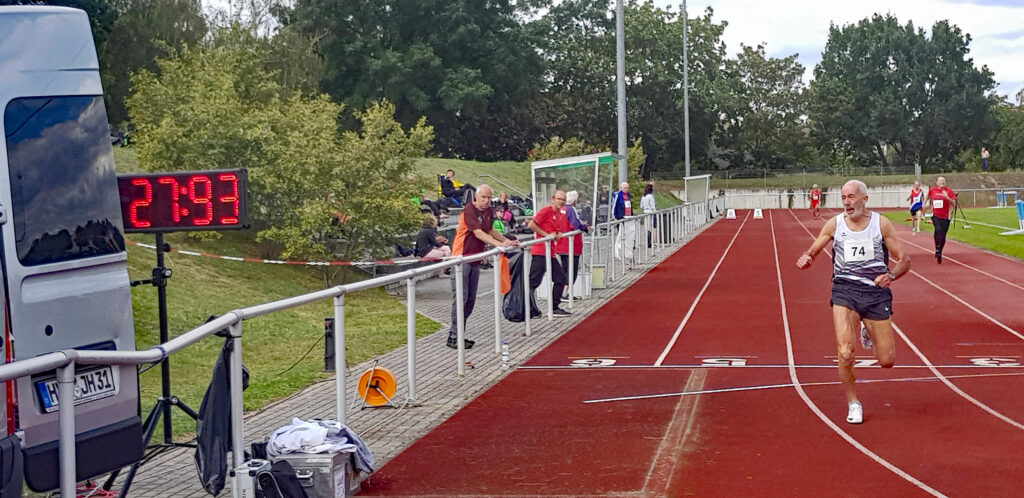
(537, 270)
(470, 282)
(941, 227)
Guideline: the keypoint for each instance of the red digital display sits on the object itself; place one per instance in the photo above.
(195, 200)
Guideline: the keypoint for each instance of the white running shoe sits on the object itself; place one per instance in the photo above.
(865, 339)
(856, 413)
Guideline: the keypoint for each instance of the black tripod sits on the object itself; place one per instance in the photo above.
(958, 213)
(163, 405)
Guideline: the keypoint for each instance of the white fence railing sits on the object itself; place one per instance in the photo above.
(673, 225)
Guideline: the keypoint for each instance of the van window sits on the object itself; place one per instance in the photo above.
(63, 183)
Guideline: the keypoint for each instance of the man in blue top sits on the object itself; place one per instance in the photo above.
(861, 244)
(622, 205)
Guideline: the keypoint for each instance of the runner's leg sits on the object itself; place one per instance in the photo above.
(847, 325)
(885, 344)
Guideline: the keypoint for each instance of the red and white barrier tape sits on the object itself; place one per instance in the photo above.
(290, 262)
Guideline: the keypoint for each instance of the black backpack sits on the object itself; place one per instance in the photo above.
(279, 482)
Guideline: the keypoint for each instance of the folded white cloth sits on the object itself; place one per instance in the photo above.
(320, 436)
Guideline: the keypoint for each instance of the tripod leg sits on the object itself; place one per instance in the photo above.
(185, 408)
(147, 433)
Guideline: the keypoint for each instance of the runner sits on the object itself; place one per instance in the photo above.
(916, 199)
(862, 242)
(943, 201)
(815, 196)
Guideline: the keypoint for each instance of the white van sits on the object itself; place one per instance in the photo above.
(65, 280)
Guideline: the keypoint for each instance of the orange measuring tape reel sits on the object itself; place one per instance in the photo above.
(376, 386)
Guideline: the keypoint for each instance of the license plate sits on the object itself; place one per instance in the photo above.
(90, 385)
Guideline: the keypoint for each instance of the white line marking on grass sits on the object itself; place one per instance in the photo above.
(696, 300)
(807, 400)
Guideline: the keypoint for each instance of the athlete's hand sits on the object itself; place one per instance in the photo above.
(804, 261)
(883, 280)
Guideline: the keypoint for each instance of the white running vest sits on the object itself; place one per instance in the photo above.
(859, 256)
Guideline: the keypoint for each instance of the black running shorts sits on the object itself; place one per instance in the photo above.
(870, 302)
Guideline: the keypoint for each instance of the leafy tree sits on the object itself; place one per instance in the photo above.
(1007, 147)
(580, 99)
(145, 30)
(763, 121)
(890, 93)
(219, 107)
(467, 65)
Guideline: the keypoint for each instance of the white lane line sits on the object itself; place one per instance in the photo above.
(747, 366)
(777, 386)
(961, 263)
(952, 386)
(928, 363)
(696, 300)
(807, 400)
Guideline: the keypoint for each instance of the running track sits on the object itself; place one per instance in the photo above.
(731, 321)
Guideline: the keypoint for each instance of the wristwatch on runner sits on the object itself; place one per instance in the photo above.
(892, 276)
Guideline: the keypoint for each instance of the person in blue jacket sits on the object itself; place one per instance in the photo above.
(622, 205)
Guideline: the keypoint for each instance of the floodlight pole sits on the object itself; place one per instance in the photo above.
(620, 85)
(686, 93)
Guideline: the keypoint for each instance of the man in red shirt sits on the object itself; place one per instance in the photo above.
(549, 220)
(943, 201)
(475, 231)
(815, 196)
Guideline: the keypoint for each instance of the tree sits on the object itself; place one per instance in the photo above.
(467, 65)
(890, 93)
(580, 98)
(1007, 145)
(312, 190)
(763, 121)
(145, 30)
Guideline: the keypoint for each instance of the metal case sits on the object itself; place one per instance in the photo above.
(324, 475)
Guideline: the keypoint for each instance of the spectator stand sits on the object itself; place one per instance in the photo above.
(582, 174)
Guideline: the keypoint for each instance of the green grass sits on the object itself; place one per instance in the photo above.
(514, 173)
(985, 237)
(200, 287)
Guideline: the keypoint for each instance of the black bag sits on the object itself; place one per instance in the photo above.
(512, 306)
(279, 482)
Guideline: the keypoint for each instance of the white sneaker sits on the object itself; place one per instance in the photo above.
(865, 339)
(856, 413)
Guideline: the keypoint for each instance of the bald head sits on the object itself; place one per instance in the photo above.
(482, 199)
(856, 186)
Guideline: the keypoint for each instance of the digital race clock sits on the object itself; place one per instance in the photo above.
(195, 200)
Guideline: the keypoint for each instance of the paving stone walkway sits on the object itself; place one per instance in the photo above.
(440, 390)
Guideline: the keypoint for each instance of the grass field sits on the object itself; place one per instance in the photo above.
(272, 344)
(985, 226)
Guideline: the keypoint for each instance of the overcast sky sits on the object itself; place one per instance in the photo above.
(786, 27)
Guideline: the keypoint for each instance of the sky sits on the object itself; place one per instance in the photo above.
(786, 27)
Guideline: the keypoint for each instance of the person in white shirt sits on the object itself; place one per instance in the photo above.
(649, 205)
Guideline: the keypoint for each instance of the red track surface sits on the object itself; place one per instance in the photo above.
(535, 433)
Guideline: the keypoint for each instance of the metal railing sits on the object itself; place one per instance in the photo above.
(677, 221)
(503, 184)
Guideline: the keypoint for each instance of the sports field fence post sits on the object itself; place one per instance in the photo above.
(497, 303)
(460, 317)
(339, 357)
(410, 337)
